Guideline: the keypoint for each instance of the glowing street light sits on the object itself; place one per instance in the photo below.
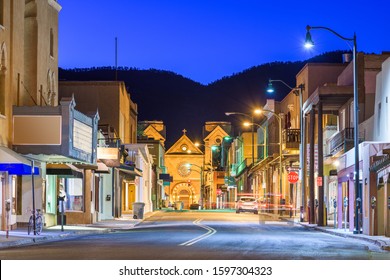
(298, 91)
(253, 131)
(308, 44)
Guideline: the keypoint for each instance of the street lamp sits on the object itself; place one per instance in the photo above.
(264, 133)
(189, 165)
(299, 92)
(261, 111)
(309, 43)
(253, 132)
(212, 148)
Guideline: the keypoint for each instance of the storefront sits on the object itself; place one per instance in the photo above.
(379, 196)
(63, 142)
(15, 170)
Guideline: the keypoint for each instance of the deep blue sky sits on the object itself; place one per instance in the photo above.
(206, 40)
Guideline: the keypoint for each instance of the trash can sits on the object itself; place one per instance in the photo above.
(179, 205)
(138, 210)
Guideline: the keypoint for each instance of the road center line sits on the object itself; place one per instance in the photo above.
(210, 232)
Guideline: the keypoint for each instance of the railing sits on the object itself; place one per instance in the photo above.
(291, 138)
(342, 140)
(109, 142)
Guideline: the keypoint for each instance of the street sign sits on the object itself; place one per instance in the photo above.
(292, 177)
(319, 181)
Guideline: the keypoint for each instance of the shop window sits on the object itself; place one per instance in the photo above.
(97, 194)
(74, 194)
(51, 182)
(16, 185)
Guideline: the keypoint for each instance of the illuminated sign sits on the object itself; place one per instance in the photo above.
(82, 136)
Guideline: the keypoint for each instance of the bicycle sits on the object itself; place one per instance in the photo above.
(38, 222)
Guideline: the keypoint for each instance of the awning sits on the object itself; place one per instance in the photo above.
(130, 170)
(102, 168)
(64, 170)
(14, 163)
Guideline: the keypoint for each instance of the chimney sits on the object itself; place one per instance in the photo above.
(347, 57)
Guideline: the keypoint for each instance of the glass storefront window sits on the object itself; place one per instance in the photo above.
(51, 194)
(74, 194)
(14, 185)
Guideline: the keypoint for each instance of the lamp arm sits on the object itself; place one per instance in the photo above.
(238, 113)
(273, 113)
(282, 83)
(308, 27)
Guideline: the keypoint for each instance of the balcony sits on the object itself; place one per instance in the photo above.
(341, 141)
(291, 139)
(240, 168)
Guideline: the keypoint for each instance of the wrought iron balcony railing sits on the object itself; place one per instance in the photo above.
(291, 138)
(341, 141)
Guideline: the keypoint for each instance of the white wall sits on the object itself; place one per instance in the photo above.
(382, 96)
(106, 189)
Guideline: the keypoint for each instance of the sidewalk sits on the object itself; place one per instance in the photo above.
(382, 242)
(19, 237)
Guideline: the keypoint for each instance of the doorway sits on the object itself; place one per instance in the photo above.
(128, 197)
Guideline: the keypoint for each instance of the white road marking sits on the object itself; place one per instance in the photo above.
(275, 223)
(210, 232)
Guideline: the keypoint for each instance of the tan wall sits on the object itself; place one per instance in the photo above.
(313, 75)
(247, 138)
(11, 63)
(111, 100)
(26, 60)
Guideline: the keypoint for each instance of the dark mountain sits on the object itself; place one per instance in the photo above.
(183, 103)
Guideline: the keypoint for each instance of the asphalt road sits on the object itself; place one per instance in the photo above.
(204, 236)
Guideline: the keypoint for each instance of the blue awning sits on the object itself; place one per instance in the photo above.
(14, 163)
(18, 169)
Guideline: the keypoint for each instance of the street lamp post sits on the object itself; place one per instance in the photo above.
(211, 171)
(299, 92)
(253, 132)
(261, 111)
(309, 43)
(189, 165)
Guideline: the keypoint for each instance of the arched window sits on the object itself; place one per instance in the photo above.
(51, 42)
(3, 70)
(2, 12)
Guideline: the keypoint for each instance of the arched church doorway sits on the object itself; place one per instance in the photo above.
(185, 193)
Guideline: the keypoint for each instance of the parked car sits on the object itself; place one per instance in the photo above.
(247, 204)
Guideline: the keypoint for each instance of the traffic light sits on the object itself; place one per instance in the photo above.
(216, 156)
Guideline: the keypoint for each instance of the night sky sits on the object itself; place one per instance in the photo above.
(207, 40)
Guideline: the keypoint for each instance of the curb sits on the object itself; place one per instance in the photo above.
(381, 244)
(42, 239)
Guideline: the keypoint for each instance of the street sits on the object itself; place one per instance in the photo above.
(203, 236)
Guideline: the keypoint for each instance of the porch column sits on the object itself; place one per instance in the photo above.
(312, 218)
(340, 205)
(351, 203)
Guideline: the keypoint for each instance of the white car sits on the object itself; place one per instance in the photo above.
(247, 204)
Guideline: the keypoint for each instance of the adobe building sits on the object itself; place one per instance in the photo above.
(184, 162)
(28, 77)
